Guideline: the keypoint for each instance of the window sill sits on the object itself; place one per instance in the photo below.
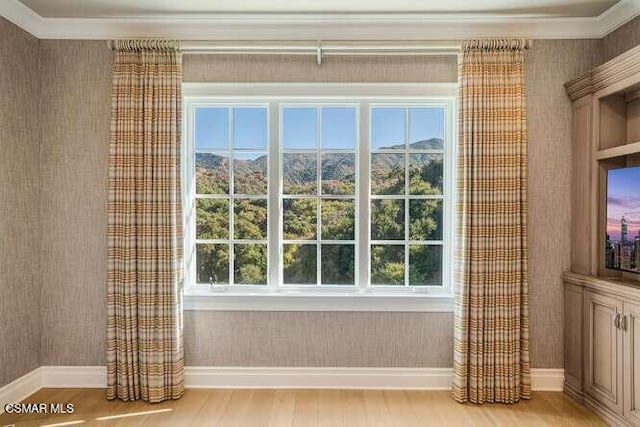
(308, 301)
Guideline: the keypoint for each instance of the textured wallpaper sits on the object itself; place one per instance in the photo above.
(20, 231)
(74, 112)
(622, 39)
(279, 68)
(75, 106)
(76, 79)
(548, 65)
(74, 260)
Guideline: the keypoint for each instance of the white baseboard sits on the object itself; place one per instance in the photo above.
(547, 379)
(21, 388)
(328, 378)
(267, 377)
(74, 376)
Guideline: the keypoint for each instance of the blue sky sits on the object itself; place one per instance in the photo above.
(623, 198)
(250, 129)
(299, 127)
(212, 128)
(338, 128)
(388, 125)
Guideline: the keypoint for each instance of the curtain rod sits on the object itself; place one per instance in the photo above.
(320, 49)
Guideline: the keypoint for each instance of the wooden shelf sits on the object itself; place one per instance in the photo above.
(622, 150)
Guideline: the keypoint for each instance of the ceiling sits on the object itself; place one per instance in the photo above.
(318, 20)
(168, 8)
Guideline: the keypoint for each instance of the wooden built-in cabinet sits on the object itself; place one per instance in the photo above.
(603, 350)
(631, 354)
(602, 306)
(602, 346)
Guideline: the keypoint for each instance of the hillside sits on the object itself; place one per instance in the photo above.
(337, 223)
(300, 170)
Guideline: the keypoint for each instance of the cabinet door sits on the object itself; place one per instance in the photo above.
(573, 296)
(603, 351)
(631, 367)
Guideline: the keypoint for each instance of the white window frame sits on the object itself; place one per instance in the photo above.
(318, 241)
(361, 297)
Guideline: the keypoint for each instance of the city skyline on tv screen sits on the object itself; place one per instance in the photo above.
(623, 219)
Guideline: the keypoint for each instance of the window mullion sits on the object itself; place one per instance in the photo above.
(319, 193)
(274, 229)
(449, 214)
(407, 142)
(363, 179)
(189, 199)
(232, 190)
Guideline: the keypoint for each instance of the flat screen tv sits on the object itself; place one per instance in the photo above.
(622, 251)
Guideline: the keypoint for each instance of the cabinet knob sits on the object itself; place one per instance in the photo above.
(616, 321)
(623, 322)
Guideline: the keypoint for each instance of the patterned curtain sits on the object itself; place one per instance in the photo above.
(491, 344)
(144, 297)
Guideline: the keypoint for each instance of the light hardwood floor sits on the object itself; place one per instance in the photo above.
(330, 408)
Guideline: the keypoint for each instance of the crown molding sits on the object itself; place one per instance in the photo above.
(617, 15)
(621, 70)
(22, 16)
(284, 26)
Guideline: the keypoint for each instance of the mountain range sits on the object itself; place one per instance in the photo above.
(299, 166)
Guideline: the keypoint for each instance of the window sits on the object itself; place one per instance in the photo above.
(231, 169)
(304, 192)
(407, 177)
(318, 194)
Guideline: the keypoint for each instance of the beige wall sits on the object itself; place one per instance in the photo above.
(75, 106)
(548, 65)
(74, 194)
(76, 85)
(20, 231)
(262, 68)
(71, 158)
(622, 39)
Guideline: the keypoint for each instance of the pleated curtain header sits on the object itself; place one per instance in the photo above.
(495, 45)
(149, 45)
(162, 45)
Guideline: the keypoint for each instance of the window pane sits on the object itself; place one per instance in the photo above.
(387, 220)
(212, 219)
(425, 219)
(212, 128)
(338, 264)
(338, 219)
(338, 128)
(250, 264)
(250, 173)
(387, 173)
(387, 265)
(426, 128)
(250, 128)
(212, 263)
(212, 173)
(425, 174)
(250, 220)
(425, 265)
(338, 173)
(387, 128)
(300, 173)
(300, 264)
(300, 219)
(299, 128)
